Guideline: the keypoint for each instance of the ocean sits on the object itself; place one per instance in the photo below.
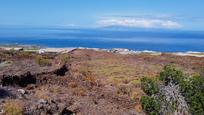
(107, 38)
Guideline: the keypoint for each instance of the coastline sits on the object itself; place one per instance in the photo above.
(123, 51)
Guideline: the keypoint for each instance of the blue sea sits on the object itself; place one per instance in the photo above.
(134, 39)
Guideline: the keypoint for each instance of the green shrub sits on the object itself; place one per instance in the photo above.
(42, 61)
(149, 86)
(170, 74)
(198, 83)
(194, 94)
(64, 58)
(202, 71)
(186, 88)
(150, 105)
(191, 88)
(197, 104)
(25, 53)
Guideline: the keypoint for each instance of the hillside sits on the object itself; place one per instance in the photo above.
(84, 82)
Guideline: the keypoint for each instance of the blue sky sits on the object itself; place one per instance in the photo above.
(171, 14)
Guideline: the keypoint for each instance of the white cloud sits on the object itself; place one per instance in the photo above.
(142, 23)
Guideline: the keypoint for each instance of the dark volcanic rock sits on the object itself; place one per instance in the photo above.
(4, 93)
(65, 111)
(22, 80)
(61, 71)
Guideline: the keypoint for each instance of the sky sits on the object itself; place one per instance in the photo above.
(167, 14)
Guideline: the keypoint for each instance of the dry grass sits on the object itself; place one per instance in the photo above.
(136, 82)
(64, 58)
(109, 67)
(42, 61)
(125, 71)
(13, 107)
(42, 93)
(138, 108)
(118, 71)
(136, 94)
(124, 90)
(56, 90)
(88, 76)
(73, 84)
(117, 80)
(124, 75)
(78, 91)
(25, 54)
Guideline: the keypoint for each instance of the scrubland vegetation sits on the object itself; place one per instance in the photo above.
(173, 93)
(94, 82)
(12, 107)
(42, 61)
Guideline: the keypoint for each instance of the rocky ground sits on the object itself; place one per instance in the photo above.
(82, 82)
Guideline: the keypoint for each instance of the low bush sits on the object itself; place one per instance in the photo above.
(150, 105)
(170, 74)
(138, 108)
(124, 90)
(13, 107)
(64, 58)
(135, 95)
(190, 91)
(42, 61)
(196, 103)
(149, 86)
(88, 76)
(201, 72)
(193, 90)
(25, 53)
